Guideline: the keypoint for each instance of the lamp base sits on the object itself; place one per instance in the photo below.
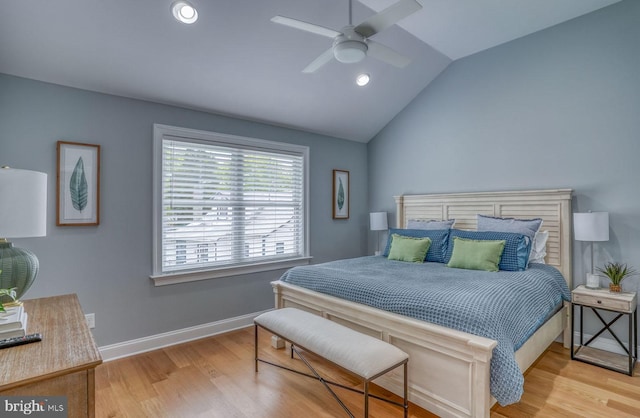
(18, 269)
(593, 281)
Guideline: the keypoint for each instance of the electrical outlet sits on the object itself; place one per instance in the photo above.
(91, 320)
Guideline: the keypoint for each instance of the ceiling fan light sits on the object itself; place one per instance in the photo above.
(184, 12)
(349, 52)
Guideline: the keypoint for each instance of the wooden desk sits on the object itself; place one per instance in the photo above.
(62, 364)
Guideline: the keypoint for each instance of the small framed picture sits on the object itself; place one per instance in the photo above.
(340, 194)
(78, 184)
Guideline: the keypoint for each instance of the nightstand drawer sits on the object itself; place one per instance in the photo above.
(601, 301)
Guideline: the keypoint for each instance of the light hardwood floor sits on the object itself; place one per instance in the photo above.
(214, 377)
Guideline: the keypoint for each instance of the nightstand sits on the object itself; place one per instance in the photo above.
(624, 304)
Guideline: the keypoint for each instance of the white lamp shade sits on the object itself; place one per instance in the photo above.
(23, 203)
(378, 221)
(591, 226)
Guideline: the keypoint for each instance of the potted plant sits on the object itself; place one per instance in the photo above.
(616, 272)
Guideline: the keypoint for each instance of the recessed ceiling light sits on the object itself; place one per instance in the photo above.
(362, 79)
(184, 11)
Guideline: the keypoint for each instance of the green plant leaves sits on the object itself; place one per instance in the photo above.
(616, 272)
(78, 187)
(340, 195)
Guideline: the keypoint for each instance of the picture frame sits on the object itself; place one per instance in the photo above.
(77, 184)
(341, 194)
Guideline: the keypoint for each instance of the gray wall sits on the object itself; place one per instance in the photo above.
(559, 108)
(108, 266)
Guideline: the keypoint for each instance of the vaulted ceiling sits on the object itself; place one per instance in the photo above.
(235, 61)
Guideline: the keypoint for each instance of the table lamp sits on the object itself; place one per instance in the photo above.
(23, 213)
(591, 227)
(378, 222)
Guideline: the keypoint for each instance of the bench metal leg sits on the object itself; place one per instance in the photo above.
(326, 383)
(366, 399)
(406, 391)
(255, 345)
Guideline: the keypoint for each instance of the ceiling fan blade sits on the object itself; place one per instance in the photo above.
(307, 27)
(324, 58)
(387, 17)
(386, 54)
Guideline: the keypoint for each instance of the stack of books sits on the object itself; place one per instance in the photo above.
(13, 322)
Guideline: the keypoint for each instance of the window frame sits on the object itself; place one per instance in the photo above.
(161, 278)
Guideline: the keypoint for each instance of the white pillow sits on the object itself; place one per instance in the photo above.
(539, 247)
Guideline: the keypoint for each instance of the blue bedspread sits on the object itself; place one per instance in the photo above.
(506, 306)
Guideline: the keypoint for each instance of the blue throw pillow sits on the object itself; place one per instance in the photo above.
(515, 256)
(439, 241)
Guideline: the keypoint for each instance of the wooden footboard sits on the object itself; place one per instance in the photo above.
(448, 369)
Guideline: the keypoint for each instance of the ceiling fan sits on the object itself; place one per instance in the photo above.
(352, 43)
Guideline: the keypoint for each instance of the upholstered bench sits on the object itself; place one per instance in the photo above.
(360, 354)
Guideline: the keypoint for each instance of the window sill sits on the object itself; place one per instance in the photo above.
(192, 276)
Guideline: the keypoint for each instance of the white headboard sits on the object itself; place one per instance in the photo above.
(553, 206)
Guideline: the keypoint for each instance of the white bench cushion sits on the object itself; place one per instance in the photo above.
(359, 353)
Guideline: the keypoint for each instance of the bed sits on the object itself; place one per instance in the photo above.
(449, 369)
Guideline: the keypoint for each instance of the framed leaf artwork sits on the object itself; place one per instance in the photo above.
(78, 184)
(340, 194)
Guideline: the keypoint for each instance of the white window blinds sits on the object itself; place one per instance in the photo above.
(226, 204)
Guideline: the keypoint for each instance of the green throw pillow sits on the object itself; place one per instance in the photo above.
(408, 248)
(474, 254)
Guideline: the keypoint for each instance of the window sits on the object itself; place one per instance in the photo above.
(226, 205)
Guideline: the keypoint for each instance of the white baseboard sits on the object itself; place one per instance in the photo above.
(154, 342)
(602, 343)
